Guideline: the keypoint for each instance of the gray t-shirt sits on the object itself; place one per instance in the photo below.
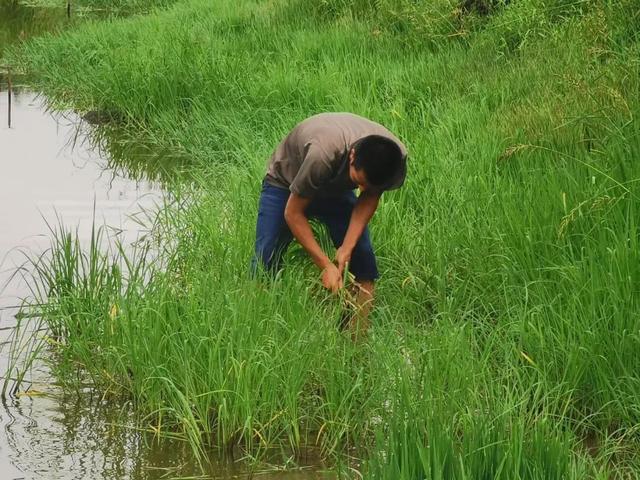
(313, 158)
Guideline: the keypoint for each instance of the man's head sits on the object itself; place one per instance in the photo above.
(374, 162)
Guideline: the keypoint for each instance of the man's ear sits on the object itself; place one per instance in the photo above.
(352, 156)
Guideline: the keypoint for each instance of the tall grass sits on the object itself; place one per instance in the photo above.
(506, 330)
(83, 6)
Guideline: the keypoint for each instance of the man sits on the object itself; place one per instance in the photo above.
(312, 174)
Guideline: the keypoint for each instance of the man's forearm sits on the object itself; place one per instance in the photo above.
(363, 210)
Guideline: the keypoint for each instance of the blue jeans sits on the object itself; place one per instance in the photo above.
(273, 235)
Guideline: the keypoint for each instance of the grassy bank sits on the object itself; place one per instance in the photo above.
(21, 20)
(506, 327)
(84, 6)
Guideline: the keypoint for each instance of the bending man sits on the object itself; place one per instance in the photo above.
(313, 174)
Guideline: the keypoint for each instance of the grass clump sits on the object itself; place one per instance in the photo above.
(506, 327)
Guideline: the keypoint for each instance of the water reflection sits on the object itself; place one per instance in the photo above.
(51, 170)
(63, 436)
(134, 157)
(19, 22)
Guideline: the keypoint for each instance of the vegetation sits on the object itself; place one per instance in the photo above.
(23, 19)
(506, 328)
(87, 5)
(20, 23)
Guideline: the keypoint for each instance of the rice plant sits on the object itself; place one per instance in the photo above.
(505, 329)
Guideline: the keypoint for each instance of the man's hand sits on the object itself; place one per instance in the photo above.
(343, 256)
(332, 278)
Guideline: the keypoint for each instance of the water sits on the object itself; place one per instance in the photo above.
(18, 22)
(51, 172)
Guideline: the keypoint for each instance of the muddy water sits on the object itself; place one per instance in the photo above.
(51, 172)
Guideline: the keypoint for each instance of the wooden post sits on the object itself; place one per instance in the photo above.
(9, 97)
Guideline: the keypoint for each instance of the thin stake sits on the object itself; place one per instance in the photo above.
(9, 97)
(69, 9)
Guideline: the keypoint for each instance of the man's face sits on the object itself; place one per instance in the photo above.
(357, 175)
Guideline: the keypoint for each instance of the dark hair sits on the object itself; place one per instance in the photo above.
(380, 157)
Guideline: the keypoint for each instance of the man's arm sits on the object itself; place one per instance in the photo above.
(299, 225)
(363, 210)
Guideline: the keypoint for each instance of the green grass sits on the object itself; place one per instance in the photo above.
(85, 6)
(506, 326)
(20, 22)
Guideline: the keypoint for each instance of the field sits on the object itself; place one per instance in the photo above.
(506, 327)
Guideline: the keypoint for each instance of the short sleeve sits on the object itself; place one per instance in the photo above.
(314, 172)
